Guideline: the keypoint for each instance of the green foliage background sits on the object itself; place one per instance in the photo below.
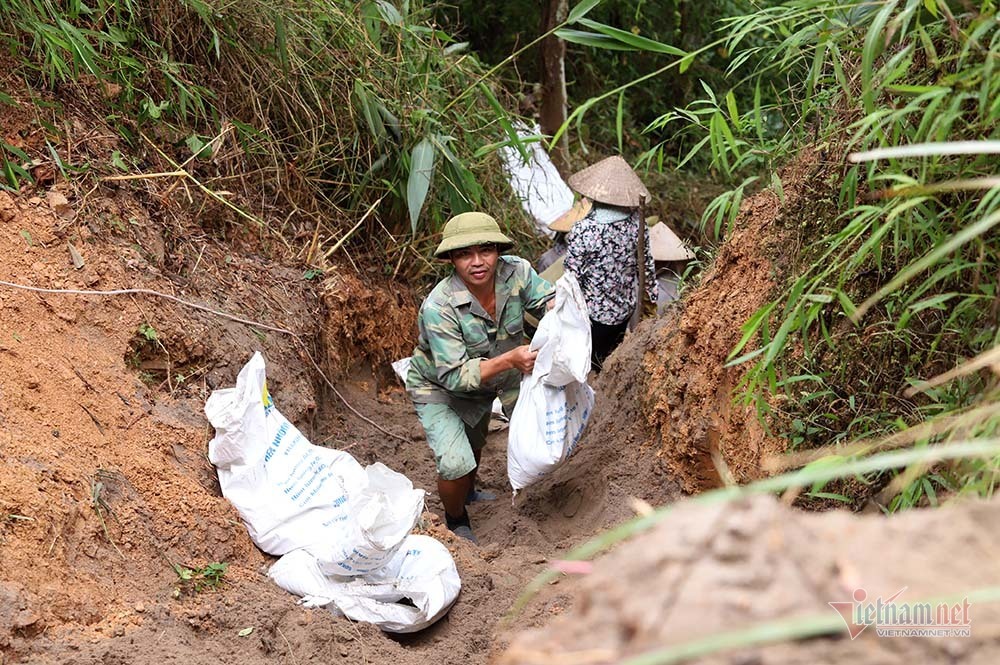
(495, 30)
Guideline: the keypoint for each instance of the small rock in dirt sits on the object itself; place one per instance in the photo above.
(75, 256)
(748, 659)
(59, 204)
(140, 608)
(55, 432)
(25, 618)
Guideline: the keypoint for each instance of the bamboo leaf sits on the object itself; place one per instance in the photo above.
(734, 114)
(752, 326)
(389, 12)
(504, 119)
(618, 120)
(686, 62)
(419, 181)
(581, 10)
(633, 40)
(929, 259)
(874, 44)
(928, 150)
(592, 39)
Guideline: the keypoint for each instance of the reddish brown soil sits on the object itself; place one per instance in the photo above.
(676, 364)
(88, 401)
(711, 569)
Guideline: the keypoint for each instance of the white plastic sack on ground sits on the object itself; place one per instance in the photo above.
(292, 494)
(402, 366)
(555, 401)
(422, 573)
(536, 183)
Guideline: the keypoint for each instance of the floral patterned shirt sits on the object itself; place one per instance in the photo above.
(602, 255)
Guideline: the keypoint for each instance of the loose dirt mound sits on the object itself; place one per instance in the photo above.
(677, 363)
(722, 568)
(104, 480)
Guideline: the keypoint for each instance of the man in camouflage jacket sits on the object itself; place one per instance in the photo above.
(471, 349)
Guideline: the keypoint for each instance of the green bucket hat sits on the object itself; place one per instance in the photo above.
(471, 228)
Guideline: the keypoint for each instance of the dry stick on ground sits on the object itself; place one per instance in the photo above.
(98, 502)
(347, 235)
(187, 303)
(211, 193)
(288, 644)
(344, 400)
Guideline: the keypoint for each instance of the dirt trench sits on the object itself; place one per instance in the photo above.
(105, 484)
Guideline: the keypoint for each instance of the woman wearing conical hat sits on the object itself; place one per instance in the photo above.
(602, 253)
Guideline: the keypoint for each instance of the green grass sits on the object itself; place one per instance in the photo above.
(210, 577)
(896, 282)
(309, 111)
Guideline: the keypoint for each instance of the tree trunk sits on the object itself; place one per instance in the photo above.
(552, 111)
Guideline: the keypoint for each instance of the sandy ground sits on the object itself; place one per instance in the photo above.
(727, 568)
(105, 484)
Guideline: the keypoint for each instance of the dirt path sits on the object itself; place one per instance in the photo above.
(104, 481)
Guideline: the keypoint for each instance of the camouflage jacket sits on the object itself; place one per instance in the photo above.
(456, 334)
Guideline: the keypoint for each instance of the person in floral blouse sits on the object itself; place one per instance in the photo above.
(602, 251)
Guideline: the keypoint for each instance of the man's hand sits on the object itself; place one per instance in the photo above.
(523, 358)
(550, 304)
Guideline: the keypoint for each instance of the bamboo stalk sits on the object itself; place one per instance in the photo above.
(640, 265)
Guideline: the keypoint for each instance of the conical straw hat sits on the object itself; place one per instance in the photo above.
(566, 221)
(611, 181)
(664, 244)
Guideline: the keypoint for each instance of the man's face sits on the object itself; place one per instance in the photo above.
(476, 265)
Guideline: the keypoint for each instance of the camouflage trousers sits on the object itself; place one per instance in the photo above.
(452, 441)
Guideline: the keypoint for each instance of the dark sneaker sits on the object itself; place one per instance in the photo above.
(464, 531)
(479, 495)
